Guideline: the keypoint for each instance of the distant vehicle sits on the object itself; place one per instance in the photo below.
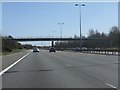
(52, 49)
(68, 48)
(62, 49)
(36, 50)
(97, 48)
(77, 49)
(84, 48)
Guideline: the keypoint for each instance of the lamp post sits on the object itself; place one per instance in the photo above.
(53, 39)
(49, 37)
(61, 28)
(80, 5)
(53, 33)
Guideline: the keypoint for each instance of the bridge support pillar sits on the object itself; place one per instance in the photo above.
(52, 43)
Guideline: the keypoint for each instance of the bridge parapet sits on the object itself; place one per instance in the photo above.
(57, 39)
(29, 37)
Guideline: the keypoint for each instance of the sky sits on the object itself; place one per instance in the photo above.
(40, 19)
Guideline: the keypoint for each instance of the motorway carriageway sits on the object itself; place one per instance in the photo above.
(61, 70)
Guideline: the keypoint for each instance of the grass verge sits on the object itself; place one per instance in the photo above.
(12, 52)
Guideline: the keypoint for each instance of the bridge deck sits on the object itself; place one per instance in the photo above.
(55, 39)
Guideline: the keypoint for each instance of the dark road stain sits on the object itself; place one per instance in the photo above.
(44, 70)
(62, 68)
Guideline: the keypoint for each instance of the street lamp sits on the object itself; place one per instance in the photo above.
(53, 38)
(53, 33)
(49, 37)
(61, 28)
(80, 5)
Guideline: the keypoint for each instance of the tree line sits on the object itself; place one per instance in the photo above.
(9, 45)
(110, 40)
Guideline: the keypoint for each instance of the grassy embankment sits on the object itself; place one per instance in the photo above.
(12, 52)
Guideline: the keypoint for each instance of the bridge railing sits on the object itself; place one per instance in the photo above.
(28, 37)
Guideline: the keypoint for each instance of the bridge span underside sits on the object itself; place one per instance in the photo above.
(55, 39)
(58, 39)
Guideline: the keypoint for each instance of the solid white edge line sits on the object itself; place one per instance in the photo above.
(6, 69)
(110, 85)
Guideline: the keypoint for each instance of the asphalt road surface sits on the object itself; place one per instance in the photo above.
(9, 59)
(63, 70)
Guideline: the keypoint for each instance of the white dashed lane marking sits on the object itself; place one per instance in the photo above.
(68, 65)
